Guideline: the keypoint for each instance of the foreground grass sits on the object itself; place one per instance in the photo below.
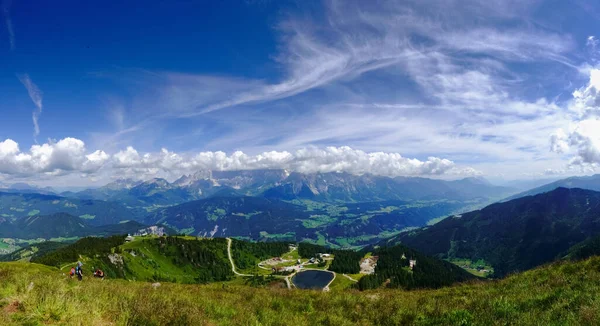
(560, 294)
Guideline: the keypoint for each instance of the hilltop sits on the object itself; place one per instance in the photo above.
(561, 293)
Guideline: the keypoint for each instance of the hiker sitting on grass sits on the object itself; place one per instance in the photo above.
(99, 274)
(79, 271)
(72, 272)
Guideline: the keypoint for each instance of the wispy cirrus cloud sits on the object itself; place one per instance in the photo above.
(7, 20)
(480, 83)
(422, 38)
(36, 96)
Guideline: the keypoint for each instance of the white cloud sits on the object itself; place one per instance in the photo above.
(36, 96)
(69, 156)
(53, 158)
(559, 142)
(584, 139)
(586, 101)
(306, 160)
(583, 136)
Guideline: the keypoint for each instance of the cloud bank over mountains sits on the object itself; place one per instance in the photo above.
(70, 156)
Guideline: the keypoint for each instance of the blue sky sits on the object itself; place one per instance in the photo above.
(503, 89)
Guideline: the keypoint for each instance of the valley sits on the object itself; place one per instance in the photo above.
(333, 209)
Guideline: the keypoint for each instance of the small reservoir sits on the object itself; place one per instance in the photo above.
(312, 279)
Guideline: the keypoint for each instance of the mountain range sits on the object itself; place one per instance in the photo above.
(586, 182)
(281, 184)
(21, 187)
(15, 206)
(338, 209)
(61, 225)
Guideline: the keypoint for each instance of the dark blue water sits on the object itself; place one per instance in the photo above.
(312, 279)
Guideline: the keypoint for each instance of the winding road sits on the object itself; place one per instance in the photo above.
(231, 259)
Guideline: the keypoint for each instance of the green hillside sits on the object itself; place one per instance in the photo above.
(171, 259)
(559, 294)
(515, 235)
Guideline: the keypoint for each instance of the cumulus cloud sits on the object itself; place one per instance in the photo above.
(307, 160)
(583, 136)
(70, 155)
(36, 96)
(586, 101)
(559, 142)
(53, 158)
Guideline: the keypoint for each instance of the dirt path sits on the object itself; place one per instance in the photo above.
(288, 282)
(231, 259)
(350, 278)
(261, 266)
(326, 288)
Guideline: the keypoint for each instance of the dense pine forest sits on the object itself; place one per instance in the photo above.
(346, 261)
(393, 270)
(248, 254)
(309, 250)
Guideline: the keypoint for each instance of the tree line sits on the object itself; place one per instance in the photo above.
(248, 254)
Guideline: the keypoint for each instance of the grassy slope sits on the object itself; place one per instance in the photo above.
(144, 266)
(559, 294)
(145, 263)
